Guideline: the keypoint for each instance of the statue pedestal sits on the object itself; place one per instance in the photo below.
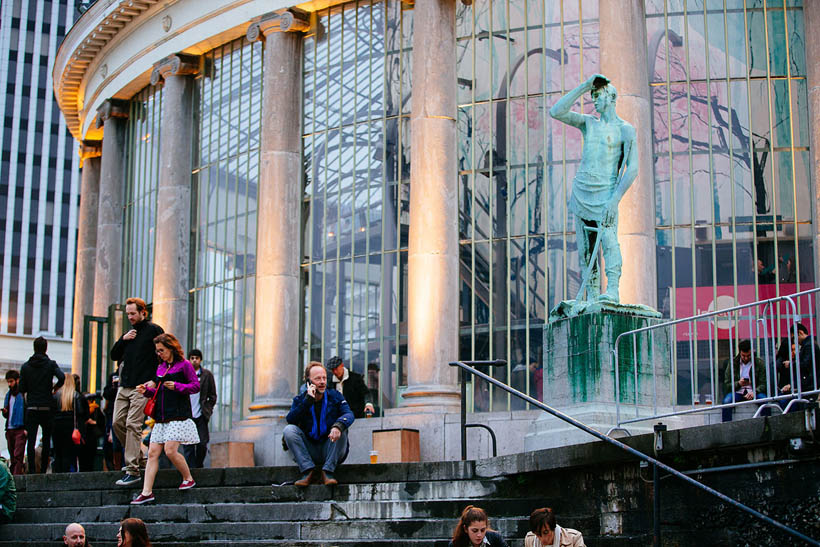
(579, 375)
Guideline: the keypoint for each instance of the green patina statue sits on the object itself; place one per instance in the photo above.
(609, 166)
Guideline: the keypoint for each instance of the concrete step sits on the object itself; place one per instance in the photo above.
(287, 542)
(395, 491)
(287, 511)
(335, 531)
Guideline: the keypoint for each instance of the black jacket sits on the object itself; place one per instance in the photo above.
(35, 380)
(80, 411)
(807, 347)
(207, 393)
(355, 391)
(138, 356)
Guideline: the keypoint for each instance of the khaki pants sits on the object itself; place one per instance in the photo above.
(128, 424)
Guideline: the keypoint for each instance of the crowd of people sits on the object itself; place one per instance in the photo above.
(153, 383)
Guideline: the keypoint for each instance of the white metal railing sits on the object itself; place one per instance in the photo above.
(761, 322)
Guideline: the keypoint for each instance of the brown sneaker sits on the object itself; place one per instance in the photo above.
(329, 479)
(307, 478)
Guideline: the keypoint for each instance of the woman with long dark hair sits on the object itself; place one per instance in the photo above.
(175, 381)
(133, 533)
(473, 530)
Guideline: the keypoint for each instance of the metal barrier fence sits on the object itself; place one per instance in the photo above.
(708, 342)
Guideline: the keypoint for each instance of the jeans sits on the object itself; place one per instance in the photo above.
(727, 412)
(16, 441)
(35, 419)
(308, 453)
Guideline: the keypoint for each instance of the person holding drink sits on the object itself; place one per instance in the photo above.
(175, 381)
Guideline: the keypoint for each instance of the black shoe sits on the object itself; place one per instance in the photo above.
(306, 479)
(128, 480)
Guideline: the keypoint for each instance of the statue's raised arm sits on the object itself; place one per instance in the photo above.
(561, 110)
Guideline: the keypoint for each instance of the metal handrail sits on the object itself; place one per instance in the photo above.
(464, 424)
(640, 455)
(797, 395)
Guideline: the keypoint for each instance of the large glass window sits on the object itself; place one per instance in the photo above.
(141, 183)
(225, 183)
(518, 257)
(731, 157)
(357, 169)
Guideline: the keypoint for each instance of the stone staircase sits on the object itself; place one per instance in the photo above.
(395, 504)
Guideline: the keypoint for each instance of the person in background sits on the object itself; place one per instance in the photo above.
(72, 413)
(744, 379)
(174, 382)
(544, 532)
(14, 409)
(95, 430)
(36, 384)
(74, 536)
(351, 385)
(809, 360)
(133, 533)
(202, 408)
(473, 530)
(8, 493)
(112, 448)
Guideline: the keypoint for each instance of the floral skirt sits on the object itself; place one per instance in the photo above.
(183, 431)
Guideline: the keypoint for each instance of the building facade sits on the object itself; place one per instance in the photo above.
(381, 179)
(39, 184)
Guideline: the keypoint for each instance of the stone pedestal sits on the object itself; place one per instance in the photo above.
(580, 376)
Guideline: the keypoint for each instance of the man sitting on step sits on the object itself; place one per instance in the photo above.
(316, 434)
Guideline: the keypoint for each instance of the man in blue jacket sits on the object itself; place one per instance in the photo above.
(316, 434)
(14, 408)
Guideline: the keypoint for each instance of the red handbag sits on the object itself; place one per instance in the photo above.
(76, 436)
(148, 410)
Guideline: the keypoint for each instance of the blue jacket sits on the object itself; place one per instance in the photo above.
(16, 420)
(336, 412)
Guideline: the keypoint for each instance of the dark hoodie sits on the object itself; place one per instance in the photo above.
(35, 380)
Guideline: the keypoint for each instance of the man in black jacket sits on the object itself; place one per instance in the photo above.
(137, 354)
(36, 384)
(351, 385)
(202, 407)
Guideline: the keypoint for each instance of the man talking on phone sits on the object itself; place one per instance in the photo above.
(316, 434)
(137, 353)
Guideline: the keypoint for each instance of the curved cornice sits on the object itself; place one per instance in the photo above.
(112, 48)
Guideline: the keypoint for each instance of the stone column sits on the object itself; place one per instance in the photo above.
(172, 247)
(278, 298)
(624, 61)
(90, 152)
(433, 239)
(112, 117)
(811, 15)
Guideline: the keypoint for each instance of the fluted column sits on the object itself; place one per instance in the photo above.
(90, 152)
(624, 61)
(433, 238)
(112, 116)
(811, 15)
(278, 298)
(172, 247)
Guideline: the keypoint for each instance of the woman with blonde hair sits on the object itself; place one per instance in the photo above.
(72, 413)
(473, 530)
(171, 390)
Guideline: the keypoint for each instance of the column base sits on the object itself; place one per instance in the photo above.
(269, 408)
(430, 398)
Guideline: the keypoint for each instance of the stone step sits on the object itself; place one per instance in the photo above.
(255, 476)
(287, 542)
(287, 511)
(335, 531)
(393, 491)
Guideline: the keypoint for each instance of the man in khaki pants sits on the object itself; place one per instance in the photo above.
(136, 351)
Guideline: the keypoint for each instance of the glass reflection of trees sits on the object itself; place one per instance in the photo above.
(225, 179)
(515, 58)
(357, 168)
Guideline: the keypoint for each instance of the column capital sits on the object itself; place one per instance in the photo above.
(179, 64)
(90, 149)
(288, 20)
(111, 108)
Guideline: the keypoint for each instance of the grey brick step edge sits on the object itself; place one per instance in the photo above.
(351, 511)
(430, 529)
(421, 490)
(255, 476)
